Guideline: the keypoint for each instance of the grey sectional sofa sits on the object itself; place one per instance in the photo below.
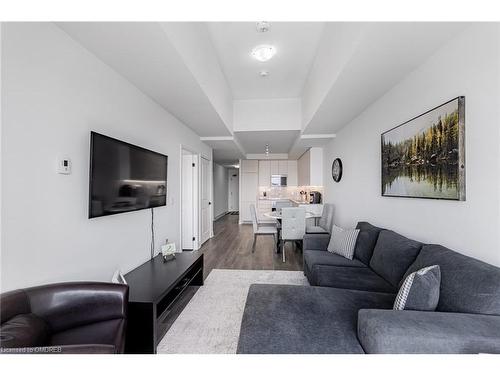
(348, 307)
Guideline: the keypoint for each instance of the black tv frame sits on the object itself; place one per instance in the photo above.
(91, 180)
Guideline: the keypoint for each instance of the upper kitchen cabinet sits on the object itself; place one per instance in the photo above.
(249, 166)
(292, 173)
(310, 167)
(265, 173)
(283, 167)
(275, 167)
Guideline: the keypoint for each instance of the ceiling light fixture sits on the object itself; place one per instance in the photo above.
(263, 73)
(262, 26)
(267, 149)
(263, 53)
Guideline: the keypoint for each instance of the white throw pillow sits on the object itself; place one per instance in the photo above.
(343, 241)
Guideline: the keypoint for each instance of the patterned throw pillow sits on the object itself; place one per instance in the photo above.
(420, 290)
(343, 241)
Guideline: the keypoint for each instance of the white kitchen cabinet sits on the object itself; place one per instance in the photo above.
(275, 167)
(265, 173)
(283, 167)
(310, 168)
(251, 166)
(292, 173)
(249, 186)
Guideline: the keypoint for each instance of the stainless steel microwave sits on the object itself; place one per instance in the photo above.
(278, 180)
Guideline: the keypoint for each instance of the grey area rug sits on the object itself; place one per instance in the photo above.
(210, 323)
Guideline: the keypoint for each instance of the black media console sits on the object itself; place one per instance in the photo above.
(155, 286)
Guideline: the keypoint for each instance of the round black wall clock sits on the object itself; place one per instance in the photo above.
(337, 170)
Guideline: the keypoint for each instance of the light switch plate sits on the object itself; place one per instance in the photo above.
(64, 166)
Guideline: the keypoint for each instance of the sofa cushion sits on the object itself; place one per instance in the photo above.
(367, 238)
(354, 278)
(314, 257)
(303, 319)
(393, 254)
(24, 330)
(420, 290)
(392, 332)
(342, 241)
(467, 284)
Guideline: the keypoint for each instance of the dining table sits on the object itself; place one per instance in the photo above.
(278, 216)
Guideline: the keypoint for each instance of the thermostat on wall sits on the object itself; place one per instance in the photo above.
(64, 166)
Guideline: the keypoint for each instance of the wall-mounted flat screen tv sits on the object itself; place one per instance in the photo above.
(124, 177)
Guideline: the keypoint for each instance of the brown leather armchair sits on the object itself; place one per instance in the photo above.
(79, 317)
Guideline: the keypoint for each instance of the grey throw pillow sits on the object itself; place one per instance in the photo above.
(420, 290)
(343, 241)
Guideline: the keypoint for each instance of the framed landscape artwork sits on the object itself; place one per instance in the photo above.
(425, 156)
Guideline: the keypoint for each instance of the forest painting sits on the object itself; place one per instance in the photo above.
(425, 156)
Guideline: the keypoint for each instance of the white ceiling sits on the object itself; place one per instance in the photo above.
(142, 53)
(254, 142)
(226, 151)
(295, 43)
(196, 70)
(383, 56)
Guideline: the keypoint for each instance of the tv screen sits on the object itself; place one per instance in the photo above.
(124, 177)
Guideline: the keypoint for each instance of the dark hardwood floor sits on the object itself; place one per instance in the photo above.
(231, 248)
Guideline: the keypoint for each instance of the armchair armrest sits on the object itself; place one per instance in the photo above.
(390, 331)
(68, 305)
(316, 241)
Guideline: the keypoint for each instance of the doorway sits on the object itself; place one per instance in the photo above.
(233, 190)
(205, 201)
(189, 200)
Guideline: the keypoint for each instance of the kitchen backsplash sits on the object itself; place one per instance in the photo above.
(288, 192)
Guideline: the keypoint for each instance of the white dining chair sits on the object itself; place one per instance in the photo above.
(293, 225)
(261, 230)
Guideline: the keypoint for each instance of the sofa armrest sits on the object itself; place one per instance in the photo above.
(391, 331)
(316, 241)
(68, 305)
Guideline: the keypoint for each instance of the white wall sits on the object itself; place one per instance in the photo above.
(220, 190)
(54, 93)
(467, 65)
(267, 114)
(193, 42)
(337, 44)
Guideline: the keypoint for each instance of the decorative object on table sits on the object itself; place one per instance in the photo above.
(420, 290)
(343, 241)
(303, 195)
(337, 170)
(425, 156)
(168, 251)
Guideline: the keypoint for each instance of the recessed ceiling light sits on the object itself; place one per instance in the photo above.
(263, 53)
(264, 73)
(262, 26)
(267, 149)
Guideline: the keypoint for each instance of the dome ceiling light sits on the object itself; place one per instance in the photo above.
(263, 53)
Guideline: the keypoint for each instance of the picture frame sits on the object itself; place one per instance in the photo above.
(424, 157)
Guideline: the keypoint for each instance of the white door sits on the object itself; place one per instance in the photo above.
(189, 197)
(234, 183)
(205, 200)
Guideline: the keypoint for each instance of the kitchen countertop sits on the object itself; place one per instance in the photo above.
(296, 201)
